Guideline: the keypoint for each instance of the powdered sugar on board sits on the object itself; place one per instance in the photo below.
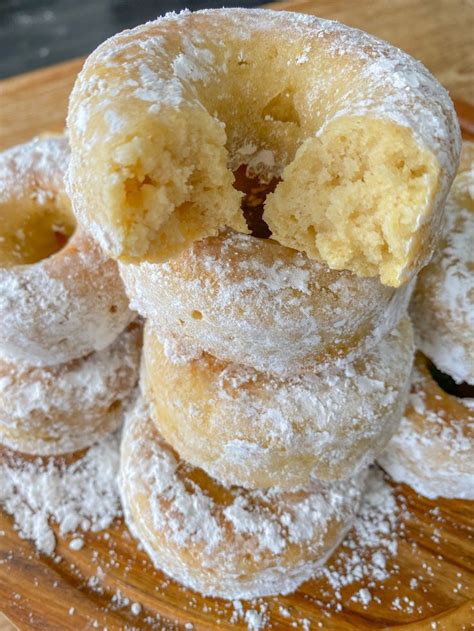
(77, 497)
(364, 576)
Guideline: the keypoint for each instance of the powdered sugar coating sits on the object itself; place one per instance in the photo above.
(258, 430)
(251, 301)
(384, 67)
(171, 65)
(443, 302)
(227, 542)
(60, 409)
(70, 303)
(433, 450)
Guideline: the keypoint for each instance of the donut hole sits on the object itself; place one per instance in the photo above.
(255, 191)
(354, 196)
(447, 384)
(34, 229)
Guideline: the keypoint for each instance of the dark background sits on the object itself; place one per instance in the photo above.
(36, 33)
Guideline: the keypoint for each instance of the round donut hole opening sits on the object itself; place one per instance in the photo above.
(447, 383)
(255, 192)
(34, 229)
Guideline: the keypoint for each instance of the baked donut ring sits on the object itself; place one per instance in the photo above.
(257, 430)
(227, 542)
(442, 308)
(55, 410)
(60, 297)
(254, 302)
(364, 137)
(433, 451)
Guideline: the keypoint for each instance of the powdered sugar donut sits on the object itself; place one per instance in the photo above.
(257, 430)
(433, 451)
(443, 303)
(60, 297)
(254, 302)
(222, 541)
(60, 409)
(364, 137)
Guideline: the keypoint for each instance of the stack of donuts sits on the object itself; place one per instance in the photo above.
(69, 352)
(270, 185)
(277, 348)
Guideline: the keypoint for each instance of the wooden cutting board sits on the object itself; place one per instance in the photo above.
(437, 540)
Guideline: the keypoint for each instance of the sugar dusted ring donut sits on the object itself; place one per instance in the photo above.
(365, 139)
(433, 451)
(254, 302)
(442, 308)
(60, 297)
(64, 408)
(256, 430)
(226, 542)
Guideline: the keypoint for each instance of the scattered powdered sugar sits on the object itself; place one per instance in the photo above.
(87, 500)
(371, 542)
(255, 620)
(81, 496)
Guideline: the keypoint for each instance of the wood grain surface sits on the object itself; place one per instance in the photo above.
(435, 547)
(435, 539)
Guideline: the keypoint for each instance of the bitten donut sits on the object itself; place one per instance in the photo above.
(433, 451)
(443, 303)
(60, 297)
(257, 430)
(221, 541)
(59, 409)
(254, 302)
(365, 139)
